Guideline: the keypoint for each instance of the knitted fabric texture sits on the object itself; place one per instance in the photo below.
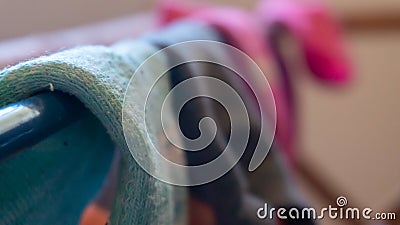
(51, 182)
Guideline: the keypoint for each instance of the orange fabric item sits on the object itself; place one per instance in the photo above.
(94, 215)
(201, 213)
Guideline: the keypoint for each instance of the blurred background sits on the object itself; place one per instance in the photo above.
(349, 137)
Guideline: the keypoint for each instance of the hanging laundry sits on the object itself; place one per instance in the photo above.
(52, 182)
(252, 32)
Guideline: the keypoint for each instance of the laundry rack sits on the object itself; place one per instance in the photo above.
(25, 123)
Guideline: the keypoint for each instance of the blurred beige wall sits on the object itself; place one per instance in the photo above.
(21, 17)
(351, 135)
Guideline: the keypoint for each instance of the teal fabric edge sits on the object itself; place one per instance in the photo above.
(98, 76)
(53, 181)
